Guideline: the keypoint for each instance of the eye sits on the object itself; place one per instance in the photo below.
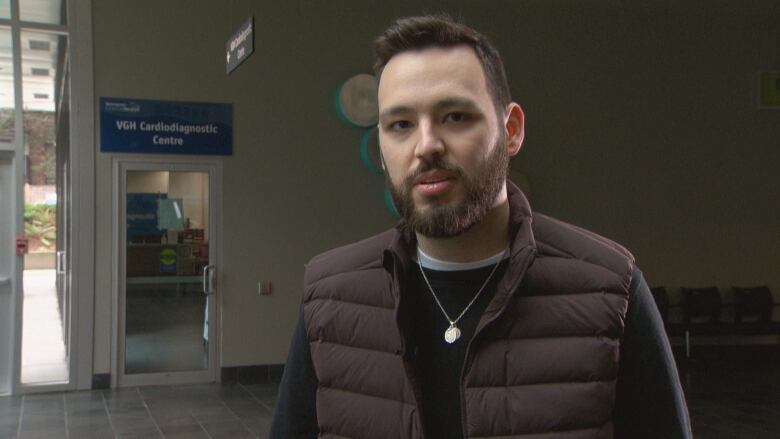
(399, 125)
(456, 117)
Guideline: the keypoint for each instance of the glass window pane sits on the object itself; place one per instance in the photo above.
(43, 60)
(6, 87)
(41, 53)
(45, 320)
(166, 311)
(5, 9)
(43, 11)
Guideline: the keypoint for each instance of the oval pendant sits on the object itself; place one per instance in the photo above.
(451, 334)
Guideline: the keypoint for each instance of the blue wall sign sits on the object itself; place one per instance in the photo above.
(142, 219)
(165, 127)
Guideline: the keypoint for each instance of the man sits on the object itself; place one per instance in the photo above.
(474, 317)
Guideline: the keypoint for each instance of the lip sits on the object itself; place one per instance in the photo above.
(433, 176)
(434, 182)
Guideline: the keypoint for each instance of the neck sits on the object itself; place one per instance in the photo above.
(481, 241)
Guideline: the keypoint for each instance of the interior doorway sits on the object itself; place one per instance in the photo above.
(167, 273)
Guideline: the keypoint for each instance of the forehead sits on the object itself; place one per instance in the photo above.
(426, 76)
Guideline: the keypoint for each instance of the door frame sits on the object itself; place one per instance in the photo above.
(120, 165)
(81, 274)
(8, 277)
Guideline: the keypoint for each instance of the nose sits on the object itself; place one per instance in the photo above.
(429, 143)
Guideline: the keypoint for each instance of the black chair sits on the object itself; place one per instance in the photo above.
(701, 313)
(753, 310)
(701, 307)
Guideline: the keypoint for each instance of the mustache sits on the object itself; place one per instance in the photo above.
(430, 165)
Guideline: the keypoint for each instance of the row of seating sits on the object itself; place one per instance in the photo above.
(702, 312)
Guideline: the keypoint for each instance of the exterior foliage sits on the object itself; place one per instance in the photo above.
(40, 224)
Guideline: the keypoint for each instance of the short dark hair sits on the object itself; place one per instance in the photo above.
(440, 30)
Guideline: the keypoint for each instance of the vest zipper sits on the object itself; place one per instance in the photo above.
(405, 351)
(481, 329)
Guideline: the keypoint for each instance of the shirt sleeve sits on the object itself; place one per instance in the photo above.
(296, 415)
(649, 400)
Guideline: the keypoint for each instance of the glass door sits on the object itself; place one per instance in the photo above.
(35, 136)
(167, 280)
(46, 302)
(7, 306)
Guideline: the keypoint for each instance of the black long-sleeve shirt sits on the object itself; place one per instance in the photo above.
(649, 401)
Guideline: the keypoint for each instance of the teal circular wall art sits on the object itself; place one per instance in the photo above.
(369, 150)
(356, 103)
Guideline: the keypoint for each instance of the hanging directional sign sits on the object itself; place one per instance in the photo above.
(240, 45)
(165, 127)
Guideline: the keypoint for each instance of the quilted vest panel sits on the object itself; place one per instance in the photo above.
(547, 367)
(350, 318)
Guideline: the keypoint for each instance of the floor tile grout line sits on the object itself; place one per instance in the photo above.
(65, 415)
(255, 397)
(258, 401)
(241, 421)
(146, 406)
(108, 413)
(226, 406)
(197, 421)
(21, 417)
(201, 426)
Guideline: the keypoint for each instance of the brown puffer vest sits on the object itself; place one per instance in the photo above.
(542, 363)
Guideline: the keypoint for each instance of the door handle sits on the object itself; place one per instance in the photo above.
(208, 280)
(5, 281)
(60, 262)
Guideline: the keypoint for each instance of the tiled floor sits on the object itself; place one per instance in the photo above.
(195, 411)
(731, 393)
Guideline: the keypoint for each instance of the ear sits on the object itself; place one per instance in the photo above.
(514, 128)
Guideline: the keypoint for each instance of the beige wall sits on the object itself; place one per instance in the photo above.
(149, 182)
(641, 125)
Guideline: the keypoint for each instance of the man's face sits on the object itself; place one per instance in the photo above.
(443, 146)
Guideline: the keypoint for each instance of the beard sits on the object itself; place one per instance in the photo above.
(453, 219)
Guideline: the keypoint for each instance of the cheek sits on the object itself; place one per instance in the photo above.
(469, 150)
(480, 146)
(395, 174)
(393, 162)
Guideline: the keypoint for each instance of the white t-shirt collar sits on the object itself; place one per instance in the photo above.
(432, 263)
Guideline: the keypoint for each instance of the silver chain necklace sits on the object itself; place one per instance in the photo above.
(452, 334)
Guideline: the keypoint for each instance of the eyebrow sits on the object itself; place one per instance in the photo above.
(454, 101)
(394, 111)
